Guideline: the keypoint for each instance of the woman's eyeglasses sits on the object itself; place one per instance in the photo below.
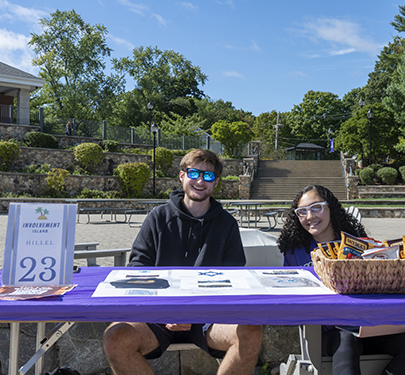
(194, 173)
(315, 208)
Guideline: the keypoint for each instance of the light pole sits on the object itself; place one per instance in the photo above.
(150, 107)
(154, 129)
(370, 117)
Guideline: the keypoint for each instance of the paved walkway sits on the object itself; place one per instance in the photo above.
(111, 235)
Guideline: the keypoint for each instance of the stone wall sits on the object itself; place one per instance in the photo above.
(10, 131)
(35, 184)
(381, 191)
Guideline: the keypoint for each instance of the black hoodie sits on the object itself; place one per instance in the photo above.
(171, 236)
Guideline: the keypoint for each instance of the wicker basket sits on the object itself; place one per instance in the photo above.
(359, 276)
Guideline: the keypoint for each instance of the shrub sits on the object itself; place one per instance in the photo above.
(37, 168)
(109, 146)
(402, 172)
(164, 159)
(375, 167)
(388, 175)
(9, 151)
(98, 194)
(56, 181)
(132, 177)
(88, 156)
(38, 139)
(367, 176)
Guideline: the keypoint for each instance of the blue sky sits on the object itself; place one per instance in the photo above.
(259, 55)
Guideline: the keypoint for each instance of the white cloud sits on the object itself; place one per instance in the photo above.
(162, 22)
(14, 51)
(188, 6)
(298, 73)
(232, 74)
(344, 36)
(255, 46)
(13, 12)
(136, 8)
(227, 2)
(122, 42)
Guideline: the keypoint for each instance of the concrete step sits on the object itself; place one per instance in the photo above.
(284, 179)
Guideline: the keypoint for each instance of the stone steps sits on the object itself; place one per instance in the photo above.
(281, 180)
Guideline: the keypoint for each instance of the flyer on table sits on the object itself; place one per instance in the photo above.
(193, 282)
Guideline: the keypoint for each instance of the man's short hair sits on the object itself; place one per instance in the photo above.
(202, 156)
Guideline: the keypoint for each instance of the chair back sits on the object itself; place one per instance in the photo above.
(355, 212)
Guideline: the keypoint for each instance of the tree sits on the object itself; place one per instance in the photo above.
(384, 72)
(354, 134)
(399, 23)
(318, 112)
(162, 77)
(232, 135)
(176, 124)
(71, 54)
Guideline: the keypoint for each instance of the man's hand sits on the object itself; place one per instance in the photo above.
(178, 327)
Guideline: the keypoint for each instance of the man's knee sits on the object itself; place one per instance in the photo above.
(116, 335)
(250, 336)
(134, 337)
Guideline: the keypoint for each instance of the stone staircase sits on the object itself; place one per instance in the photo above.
(282, 180)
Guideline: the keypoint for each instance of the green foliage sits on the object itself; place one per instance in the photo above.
(165, 78)
(136, 151)
(164, 159)
(402, 172)
(232, 136)
(230, 177)
(176, 124)
(37, 168)
(38, 139)
(375, 167)
(88, 156)
(180, 152)
(388, 175)
(109, 146)
(56, 181)
(98, 194)
(71, 56)
(132, 177)
(9, 151)
(354, 133)
(367, 176)
(318, 112)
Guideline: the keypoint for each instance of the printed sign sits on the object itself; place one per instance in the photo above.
(40, 243)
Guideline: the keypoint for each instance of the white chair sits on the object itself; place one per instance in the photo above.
(311, 361)
(355, 212)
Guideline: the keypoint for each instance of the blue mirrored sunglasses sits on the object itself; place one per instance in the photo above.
(194, 173)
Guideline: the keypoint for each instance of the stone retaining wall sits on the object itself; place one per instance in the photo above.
(35, 184)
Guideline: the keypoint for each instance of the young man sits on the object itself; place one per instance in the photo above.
(191, 230)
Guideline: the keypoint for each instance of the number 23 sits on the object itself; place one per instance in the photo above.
(47, 275)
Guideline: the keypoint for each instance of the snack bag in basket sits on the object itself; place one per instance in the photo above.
(397, 242)
(352, 247)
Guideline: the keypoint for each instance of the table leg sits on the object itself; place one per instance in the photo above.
(14, 346)
(39, 365)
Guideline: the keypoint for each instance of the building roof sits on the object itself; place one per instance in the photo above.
(13, 79)
(305, 146)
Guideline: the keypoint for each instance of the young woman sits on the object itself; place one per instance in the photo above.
(317, 216)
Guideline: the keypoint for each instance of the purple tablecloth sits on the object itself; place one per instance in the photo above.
(79, 306)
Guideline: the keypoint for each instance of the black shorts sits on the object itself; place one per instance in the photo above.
(196, 335)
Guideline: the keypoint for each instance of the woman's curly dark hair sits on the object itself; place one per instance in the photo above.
(293, 235)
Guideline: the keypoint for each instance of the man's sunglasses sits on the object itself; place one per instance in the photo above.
(194, 173)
